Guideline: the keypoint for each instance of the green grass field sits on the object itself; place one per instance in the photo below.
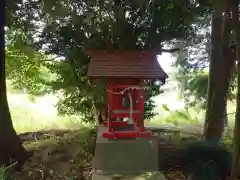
(29, 116)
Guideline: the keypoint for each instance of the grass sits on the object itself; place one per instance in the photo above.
(185, 118)
(3, 174)
(40, 115)
(177, 118)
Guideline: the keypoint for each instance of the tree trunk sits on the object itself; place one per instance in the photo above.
(221, 70)
(236, 139)
(11, 147)
(212, 128)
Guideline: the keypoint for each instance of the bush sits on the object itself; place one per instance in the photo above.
(206, 161)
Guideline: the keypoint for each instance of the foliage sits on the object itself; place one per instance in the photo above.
(205, 160)
(195, 92)
(192, 63)
(64, 28)
(102, 25)
(178, 117)
(26, 67)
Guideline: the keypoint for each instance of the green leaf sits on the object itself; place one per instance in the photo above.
(165, 107)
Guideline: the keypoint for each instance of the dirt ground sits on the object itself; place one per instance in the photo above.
(59, 155)
(66, 155)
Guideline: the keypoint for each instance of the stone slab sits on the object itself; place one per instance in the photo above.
(140, 176)
(126, 155)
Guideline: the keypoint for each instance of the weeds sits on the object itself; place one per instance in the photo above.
(4, 175)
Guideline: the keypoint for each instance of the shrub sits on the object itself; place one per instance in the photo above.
(205, 160)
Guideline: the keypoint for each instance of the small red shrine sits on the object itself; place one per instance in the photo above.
(125, 73)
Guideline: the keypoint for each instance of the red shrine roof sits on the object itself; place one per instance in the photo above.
(124, 64)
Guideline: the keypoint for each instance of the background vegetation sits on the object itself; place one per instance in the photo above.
(48, 89)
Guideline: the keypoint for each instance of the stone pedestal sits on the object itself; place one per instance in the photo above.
(131, 158)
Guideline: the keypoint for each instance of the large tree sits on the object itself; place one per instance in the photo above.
(11, 147)
(209, 90)
(69, 27)
(64, 28)
(221, 70)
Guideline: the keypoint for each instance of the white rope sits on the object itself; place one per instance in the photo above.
(128, 88)
(131, 108)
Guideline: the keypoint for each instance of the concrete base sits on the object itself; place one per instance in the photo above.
(126, 156)
(140, 176)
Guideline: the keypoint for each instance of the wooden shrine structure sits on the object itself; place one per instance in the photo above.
(125, 73)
